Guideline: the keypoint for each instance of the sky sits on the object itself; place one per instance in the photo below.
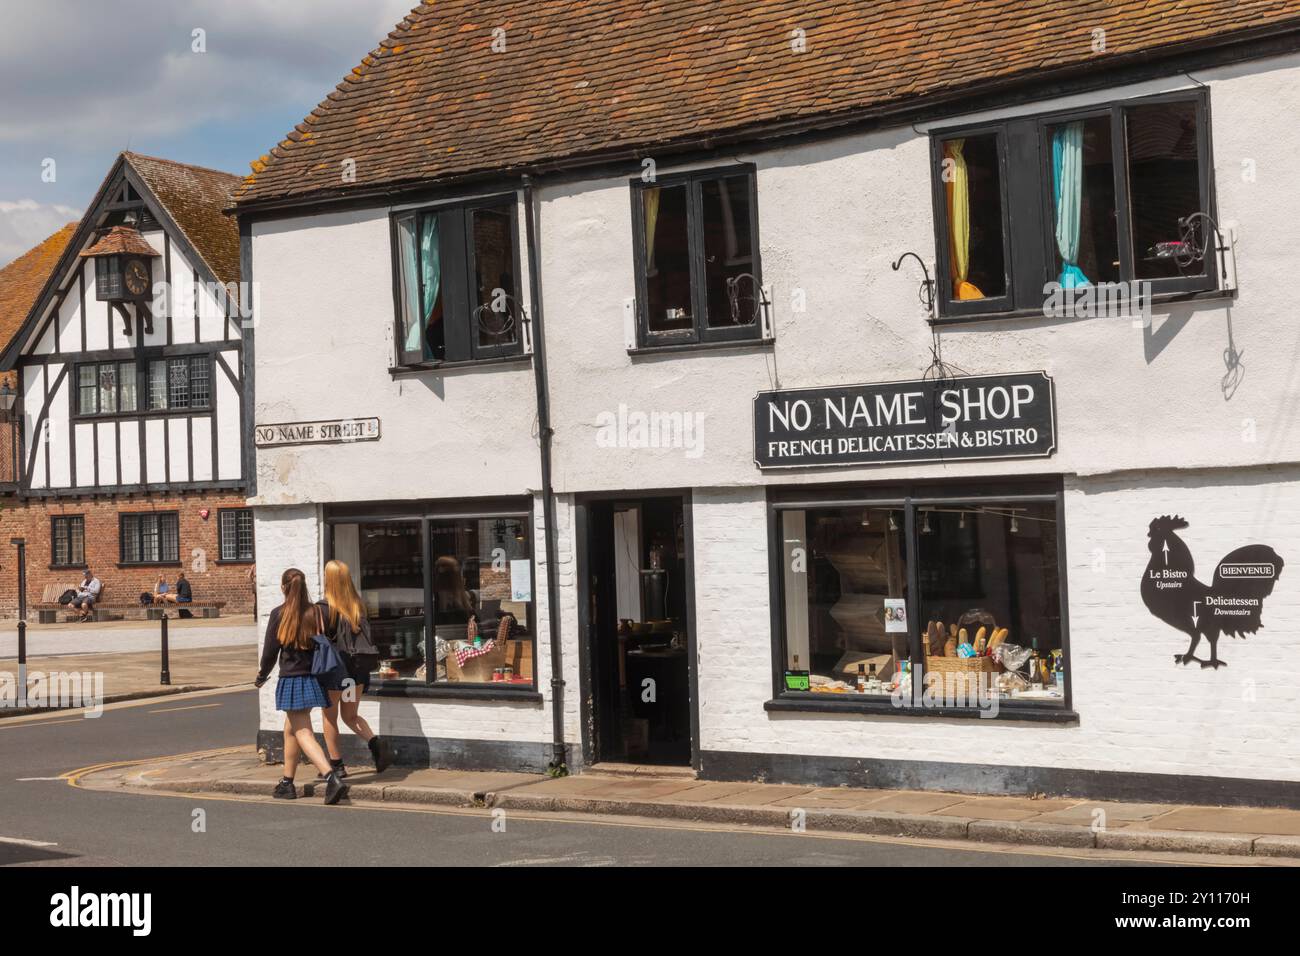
(82, 80)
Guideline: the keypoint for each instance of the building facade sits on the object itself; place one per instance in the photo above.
(806, 484)
(128, 433)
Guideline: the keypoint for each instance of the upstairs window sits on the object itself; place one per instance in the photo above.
(457, 282)
(236, 532)
(696, 242)
(111, 388)
(1075, 200)
(180, 383)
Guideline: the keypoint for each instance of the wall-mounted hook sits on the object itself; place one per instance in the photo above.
(926, 292)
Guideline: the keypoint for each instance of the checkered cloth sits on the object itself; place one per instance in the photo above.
(469, 651)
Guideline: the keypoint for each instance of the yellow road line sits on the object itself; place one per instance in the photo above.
(172, 710)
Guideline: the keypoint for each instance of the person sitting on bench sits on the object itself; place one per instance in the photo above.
(183, 593)
(162, 592)
(87, 595)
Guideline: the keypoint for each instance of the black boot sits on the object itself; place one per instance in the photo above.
(335, 788)
(284, 790)
(381, 752)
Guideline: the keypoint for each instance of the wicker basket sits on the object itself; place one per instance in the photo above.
(959, 677)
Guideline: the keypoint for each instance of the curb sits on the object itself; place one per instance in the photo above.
(873, 823)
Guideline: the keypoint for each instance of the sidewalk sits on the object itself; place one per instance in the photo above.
(134, 675)
(1234, 831)
(126, 636)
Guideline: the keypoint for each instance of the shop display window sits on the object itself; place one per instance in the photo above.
(450, 600)
(924, 603)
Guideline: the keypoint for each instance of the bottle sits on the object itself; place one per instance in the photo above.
(1035, 665)
(862, 679)
(873, 682)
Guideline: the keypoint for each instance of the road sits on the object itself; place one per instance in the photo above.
(96, 828)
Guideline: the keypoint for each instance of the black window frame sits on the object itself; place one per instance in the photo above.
(455, 219)
(239, 557)
(68, 521)
(909, 499)
(141, 368)
(163, 560)
(700, 333)
(1024, 157)
(426, 514)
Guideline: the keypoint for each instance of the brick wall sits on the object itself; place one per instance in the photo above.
(211, 580)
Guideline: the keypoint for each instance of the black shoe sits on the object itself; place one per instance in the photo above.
(382, 752)
(338, 768)
(285, 790)
(335, 788)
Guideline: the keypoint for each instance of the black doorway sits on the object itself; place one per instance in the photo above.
(638, 630)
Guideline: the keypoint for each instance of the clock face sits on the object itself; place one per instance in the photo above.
(136, 277)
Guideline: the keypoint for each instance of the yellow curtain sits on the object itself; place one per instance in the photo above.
(651, 203)
(957, 185)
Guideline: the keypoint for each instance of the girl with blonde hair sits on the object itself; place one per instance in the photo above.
(348, 629)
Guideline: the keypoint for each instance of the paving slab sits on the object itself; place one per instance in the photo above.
(761, 794)
(987, 810)
(911, 802)
(1083, 812)
(707, 792)
(1231, 820)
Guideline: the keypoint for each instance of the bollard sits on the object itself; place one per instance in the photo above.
(22, 662)
(166, 676)
(21, 545)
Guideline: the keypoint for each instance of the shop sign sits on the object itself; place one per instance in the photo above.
(1231, 603)
(331, 432)
(968, 418)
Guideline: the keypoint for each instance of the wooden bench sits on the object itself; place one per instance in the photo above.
(48, 612)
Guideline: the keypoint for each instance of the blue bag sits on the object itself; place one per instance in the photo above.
(325, 660)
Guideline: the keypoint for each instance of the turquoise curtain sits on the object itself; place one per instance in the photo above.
(431, 275)
(409, 263)
(1067, 187)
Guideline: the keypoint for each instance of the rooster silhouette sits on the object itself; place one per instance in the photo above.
(1172, 593)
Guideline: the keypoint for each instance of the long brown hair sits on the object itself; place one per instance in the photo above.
(449, 584)
(341, 595)
(298, 615)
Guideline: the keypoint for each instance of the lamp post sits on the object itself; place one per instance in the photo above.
(8, 398)
(166, 676)
(21, 545)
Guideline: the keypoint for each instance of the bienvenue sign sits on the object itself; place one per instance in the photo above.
(967, 418)
(330, 432)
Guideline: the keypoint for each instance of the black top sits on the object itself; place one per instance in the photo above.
(183, 592)
(341, 634)
(293, 662)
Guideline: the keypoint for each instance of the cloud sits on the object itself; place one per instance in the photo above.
(79, 71)
(25, 223)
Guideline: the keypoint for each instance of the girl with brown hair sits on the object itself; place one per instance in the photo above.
(348, 629)
(290, 633)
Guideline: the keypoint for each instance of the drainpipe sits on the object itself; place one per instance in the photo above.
(544, 433)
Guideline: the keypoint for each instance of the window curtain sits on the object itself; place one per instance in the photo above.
(1067, 188)
(431, 272)
(409, 266)
(958, 188)
(650, 200)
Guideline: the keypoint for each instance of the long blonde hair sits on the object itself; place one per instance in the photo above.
(341, 595)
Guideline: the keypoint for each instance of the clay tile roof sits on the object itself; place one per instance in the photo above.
(118, 241)
(435, 100)
(195, 198)
(23, 279)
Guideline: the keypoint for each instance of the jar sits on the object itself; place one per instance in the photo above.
(498, 675)
(508, 673)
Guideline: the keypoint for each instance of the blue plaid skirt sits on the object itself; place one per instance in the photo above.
(299, 693)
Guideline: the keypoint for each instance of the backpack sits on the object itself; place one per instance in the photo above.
(67, 596)
(325, 660)
(146, 599)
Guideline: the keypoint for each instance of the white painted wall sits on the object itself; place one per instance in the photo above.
(1138, 710)
(832, 218)
(324, 348)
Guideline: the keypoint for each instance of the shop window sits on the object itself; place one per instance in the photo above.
(67, 541)
(1073, 201)
(698, 274)
(965, 595)
(478, 584)
(482, 601)
(150, 538)
(235, 527)
(457, 282)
